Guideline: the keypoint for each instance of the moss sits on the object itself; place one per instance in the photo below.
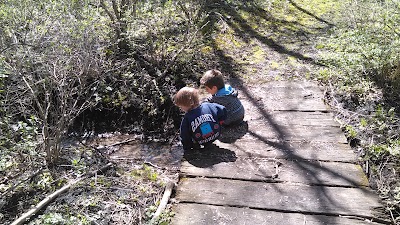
(228, 40)
(206, 49)
(274, 65)
(258, 54)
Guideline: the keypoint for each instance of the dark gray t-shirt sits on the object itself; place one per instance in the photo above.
(228, 97)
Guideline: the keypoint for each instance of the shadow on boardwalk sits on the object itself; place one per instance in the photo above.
(305, 167)
(242, 165)
(209, 156)
(232, 133)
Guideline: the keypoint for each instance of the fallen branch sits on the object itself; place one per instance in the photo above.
(121, 142)
(167, 193)
(125, 158)
(55, 194)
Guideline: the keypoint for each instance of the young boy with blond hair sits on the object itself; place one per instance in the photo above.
(223, 94)
(202, 122)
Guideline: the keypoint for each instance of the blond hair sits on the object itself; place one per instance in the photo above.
(188, 97)
(213, 78)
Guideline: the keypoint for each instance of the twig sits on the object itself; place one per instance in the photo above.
(276, 170)
(121, 142)
(125, 158)
(54, 195)
(356, 217)
(153, 165)
(394, 30)
(164, 201)
(392, 217)
(103, 5)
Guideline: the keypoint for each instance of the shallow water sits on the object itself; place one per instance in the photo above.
(131, 148)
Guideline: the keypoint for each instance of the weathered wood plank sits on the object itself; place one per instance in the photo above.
(274, 104)
(297, 132)
(256, 146)
(305, 86)
(287, 122)
(307, 172)
(292, 118)
(200, 214)
(284, 89)
(278, 196)
(285, 96)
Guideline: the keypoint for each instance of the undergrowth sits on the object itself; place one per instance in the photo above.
(362, 75)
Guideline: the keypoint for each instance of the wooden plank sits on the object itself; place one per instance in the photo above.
(297, 132)
(286, 96)
(279, 197)
(255, 146)
(293, 118)
(286, 132)
(276, 104)
(303, 85)
(292, 132)
(200, 214)
(285, 89)
(307, 172)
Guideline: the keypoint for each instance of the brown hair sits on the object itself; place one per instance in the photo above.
(213, 78)
(187, 96)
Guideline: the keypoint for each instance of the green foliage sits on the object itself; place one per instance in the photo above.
(365, 42)
(18, 139)
(51, 49)
(150, 211)
(362, 60)
(43, 182)
(60, 219)
(79, 165)
(164, 218)
(6, 162)
(146, 172)
(376, 152)
(351, 132)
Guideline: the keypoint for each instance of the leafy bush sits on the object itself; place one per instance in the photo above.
(97, 66)
(135, 95)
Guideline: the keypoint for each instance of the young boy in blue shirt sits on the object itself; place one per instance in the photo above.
(223, 94)
(202, 122)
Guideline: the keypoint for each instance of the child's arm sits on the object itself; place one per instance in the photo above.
(221, 113)
(186, 138)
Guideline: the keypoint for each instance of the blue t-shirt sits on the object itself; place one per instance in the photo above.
(202, 124)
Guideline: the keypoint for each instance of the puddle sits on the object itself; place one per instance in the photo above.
(131, 148)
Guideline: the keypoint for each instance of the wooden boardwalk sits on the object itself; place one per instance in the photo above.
(292, 165)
